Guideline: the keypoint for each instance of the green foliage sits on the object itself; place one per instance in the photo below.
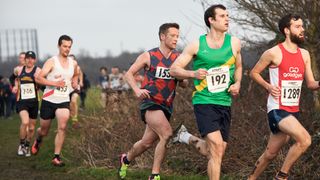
(92, 102)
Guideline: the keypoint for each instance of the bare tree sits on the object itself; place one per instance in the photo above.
(261, 17)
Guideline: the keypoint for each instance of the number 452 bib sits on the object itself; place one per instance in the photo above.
(218, 79)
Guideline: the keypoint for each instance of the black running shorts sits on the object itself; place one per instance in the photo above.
(48, 109)
(211, 118)
(276, 115)
(153, 108)
(31, 107)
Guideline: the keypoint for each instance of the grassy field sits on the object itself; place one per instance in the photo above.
(39, 167)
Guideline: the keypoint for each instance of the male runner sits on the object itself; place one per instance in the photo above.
(217, 72)
(59, 76)
(157, 94)
(288, 66)
(74, 96)
(27, 100)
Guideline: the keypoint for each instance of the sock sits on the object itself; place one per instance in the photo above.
(39, 139)
(57, 156)
(125, 160)
(282, 174)
(27, 144)
(153, 175)
(184, 138)
(22, 142)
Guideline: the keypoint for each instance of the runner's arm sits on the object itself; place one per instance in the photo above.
(75, 77)
(177, 68)
(234, 89)
(141, 62)
(238, 70)
(38, 70)
(265, 60)
(311, 82)
(80, 77)
(17, 72)
(41, 78)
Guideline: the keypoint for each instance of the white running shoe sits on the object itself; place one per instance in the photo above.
(20, 150)
(177, 137)
(27, 151)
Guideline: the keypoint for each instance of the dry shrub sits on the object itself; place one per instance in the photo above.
(118, 127)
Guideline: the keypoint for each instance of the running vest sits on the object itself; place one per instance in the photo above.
(288, 75)
(220, 64)
(158, 80)
(27, 90)
(56, 94)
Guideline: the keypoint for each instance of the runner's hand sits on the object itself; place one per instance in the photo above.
(74, 84)
(234, 89)
(274, 91)
(142, 94)
(60, 83)
(200, 73)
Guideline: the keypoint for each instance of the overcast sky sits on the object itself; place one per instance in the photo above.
(101, 25)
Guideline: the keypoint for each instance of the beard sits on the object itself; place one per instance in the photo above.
(296, 39)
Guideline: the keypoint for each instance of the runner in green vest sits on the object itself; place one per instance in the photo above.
(217, 72)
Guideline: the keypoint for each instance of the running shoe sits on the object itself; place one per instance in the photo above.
(56, 161)
(177, 135)
(281, 176)
(27, 151)
(157, 177)
(122, 172)
(20, 150)
(35, 147)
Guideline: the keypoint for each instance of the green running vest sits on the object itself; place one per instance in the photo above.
(220, 64)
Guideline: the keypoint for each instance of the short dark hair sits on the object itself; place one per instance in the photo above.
(164, 27)
(211, 12)
(103, 68)
(64, 37)
(284, 22)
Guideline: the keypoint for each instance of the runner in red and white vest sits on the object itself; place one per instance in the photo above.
(288, 76)
(60, 76)
(288, 66)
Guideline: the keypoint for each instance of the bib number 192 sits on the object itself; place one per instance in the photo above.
(218, 79)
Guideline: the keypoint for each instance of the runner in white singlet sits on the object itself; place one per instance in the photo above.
(59, 74)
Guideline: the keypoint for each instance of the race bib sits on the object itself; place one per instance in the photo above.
(163, 73)
(62, 91)
(290, 92)
(218, 79)
(27, 91)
